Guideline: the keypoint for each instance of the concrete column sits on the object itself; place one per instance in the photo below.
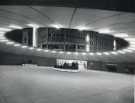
(35, 37)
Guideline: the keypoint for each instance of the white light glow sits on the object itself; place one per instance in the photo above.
(24, 46)
(9, 43)
(33, 25)
(81, 28)
(91, 53)
(57, 26)
(53, 51)
(69, 53)
(106, 53)
(105, 30)
(46, 50)
(122, 35)
(17, 45)
(128, 50)
(61, 52)
(15, 26)
(99, 53)
(115, 53)
(5, 29)
(3, 40)
(83, 53)
(2, 32)
(39, 49)
(122, 52)
(31, 48)
(76, 53)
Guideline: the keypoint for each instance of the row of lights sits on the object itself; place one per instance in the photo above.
(130, 49)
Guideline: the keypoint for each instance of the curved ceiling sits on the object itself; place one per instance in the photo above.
(93, 19)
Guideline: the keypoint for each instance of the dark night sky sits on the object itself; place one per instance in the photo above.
(118, 5)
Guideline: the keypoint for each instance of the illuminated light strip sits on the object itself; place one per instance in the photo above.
(68, 53)
(39, 49)
(57, 26)
(5, 29)
(91, 54)
(83, 53)
(106, 53)
(105, 30)
(76, 53)
(99, 53)
(122, 35)
(122, 52)
(2, 32)
(31, 48)
(17, 45)
(53, 51)
(9, 43)
(46, 50)
(24, 46)
(4, 40)
(115, 53)
(15, 26)
(127, 50)
(61, 52)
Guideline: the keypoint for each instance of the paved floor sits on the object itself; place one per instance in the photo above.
(41, 85)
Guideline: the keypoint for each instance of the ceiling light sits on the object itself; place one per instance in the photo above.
(17, 45)
(15, 26)
(3, 40)
(91, 53)
(46, 50)
(68, 52)
(5, 29)
(39, 49)
(99, 53)
(115, 53)
(83, 53)
(31, 48)
(61, 52)
(105, 30)
(76, 53)
(122, 35)
(57, 26)
(106, 53)
(122, 52)
(33, 25)
(9, 43)
(81, 28)
(24, 46)
(53, 51)
(128, 50)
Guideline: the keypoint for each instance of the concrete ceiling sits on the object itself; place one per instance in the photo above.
(117, 22)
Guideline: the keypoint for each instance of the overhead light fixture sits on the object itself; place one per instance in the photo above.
(33, 25)
(53, 51)
(31, 48)
(5, 29)
(130, 39)
(128, 50)
(9, 43)
(76, 53)
(24, 46)
(3, 40)
(81, 28)
(2, 32)
(69, 53)
(105, 30)
(122, 52)
(39, 49)
(99, 53)
(57, 26)
(15, 26)
(84, 53)
(106, 53)
(46, 50)
(61, 52)
(91, 53)
(122, 35)
(17, 45)
(115, 53)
